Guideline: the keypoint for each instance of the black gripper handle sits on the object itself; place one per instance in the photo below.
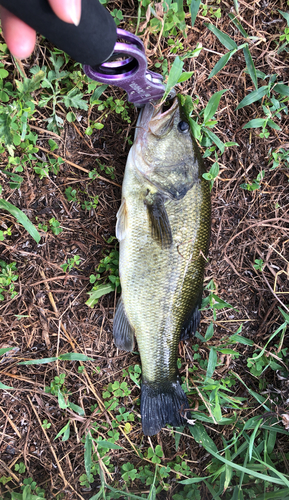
(91, 42)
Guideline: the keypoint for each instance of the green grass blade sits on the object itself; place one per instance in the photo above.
(42, 361)
(285, 15)
(277, 495)
(5, 387)
(152, 493)
(194, 480)
(200, 435)
(107, 444)
(212, 491)
(273, 125)
(74, 356)
(228, 470)
(97, 93)
(96, 294)
(254, 96)
(61, 400)
(212, 105)
(238, 25)
(250, 65)
(258, 397)
(186, 75)
(178, 436)
(212, 363)
(194, 9)
(278, 473)
(22, 219)
(99, 494)
(221, 63)
(174, 75)
(282, 89)
(255, 123)
(271, 441)
(270, 339)
(236, 6)
(241, 340)
(76, 408)
(87, 454)
(5, 349)
(123, 493)
(252, 439)
(251, 472)
(221, 147)
(222, 37)
(284, 314)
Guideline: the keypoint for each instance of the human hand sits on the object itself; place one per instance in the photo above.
(20, 38)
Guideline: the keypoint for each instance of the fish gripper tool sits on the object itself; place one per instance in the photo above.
(127, 68)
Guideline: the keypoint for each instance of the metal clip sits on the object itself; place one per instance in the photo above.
(127, 68)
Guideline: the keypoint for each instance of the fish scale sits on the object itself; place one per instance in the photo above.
(161, 278)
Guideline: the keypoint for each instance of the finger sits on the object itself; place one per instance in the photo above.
(20, 38)
(67, 10)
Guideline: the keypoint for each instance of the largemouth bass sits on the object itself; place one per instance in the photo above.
(163, 226)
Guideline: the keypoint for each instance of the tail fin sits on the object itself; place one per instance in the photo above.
(162, 404)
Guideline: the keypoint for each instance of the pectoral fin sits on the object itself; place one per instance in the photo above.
(121, 224)
(123, 333)
(159, 221)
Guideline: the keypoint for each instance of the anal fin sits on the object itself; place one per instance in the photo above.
(123, 332)
(192, 321)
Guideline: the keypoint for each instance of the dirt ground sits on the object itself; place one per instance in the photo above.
(54, 318)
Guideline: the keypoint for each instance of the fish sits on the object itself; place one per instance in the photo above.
(163, 228)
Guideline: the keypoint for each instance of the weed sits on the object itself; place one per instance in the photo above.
(3, 234)
(71, 194)
(155, 455)
(42, 227)
(107, 283)
(21, 217)
(259, 265)
(20, 468)
(214, 11)
(203, 133)
(285, 37)
(55, 226)
(57, 388)
(46, 424)
(90, 205)
(107, 169)
(7, 280)
(256, 184)
(118, 16)
(72, 262)
(279, 157)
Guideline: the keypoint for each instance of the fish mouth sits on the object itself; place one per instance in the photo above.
(156, 119)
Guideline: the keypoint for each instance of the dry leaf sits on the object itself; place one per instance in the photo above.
(285, 419)
(159, 8)
(145, 23)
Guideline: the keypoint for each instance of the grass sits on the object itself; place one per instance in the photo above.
(75, 398)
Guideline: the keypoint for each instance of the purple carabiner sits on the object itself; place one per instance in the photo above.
(127, 68)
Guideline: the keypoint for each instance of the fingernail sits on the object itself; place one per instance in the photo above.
(75, 11)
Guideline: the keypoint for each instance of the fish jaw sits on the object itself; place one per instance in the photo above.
(154, 124)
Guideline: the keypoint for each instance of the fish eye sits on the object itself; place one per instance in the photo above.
(183, 126)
